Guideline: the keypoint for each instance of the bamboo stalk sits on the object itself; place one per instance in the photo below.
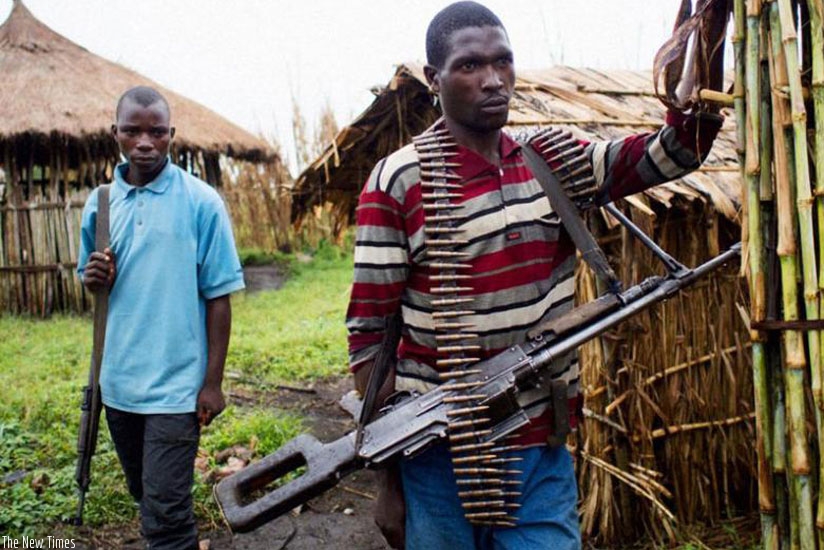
(752, 61)
(816, 10)
(747, 103)
(805, 221)
(802, 188)
(795, 362)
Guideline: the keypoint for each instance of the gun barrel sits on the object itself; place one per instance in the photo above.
(637, 299)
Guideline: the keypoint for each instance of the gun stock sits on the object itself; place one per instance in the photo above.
(326, 465)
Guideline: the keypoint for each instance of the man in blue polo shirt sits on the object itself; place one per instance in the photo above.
(170, 268)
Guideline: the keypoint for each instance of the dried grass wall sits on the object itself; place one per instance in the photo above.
(45, 182)
(259, 200)
(668, 433)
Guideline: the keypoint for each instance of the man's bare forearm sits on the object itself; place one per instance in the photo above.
(218, 328)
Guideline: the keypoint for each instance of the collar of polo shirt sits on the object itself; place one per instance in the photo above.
(157, 185)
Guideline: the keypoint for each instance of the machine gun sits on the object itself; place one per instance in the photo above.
(412, 423)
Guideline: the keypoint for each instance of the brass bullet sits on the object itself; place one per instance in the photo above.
(452, 314)
(467, 423)
(454, 373)
(483, 504)
(472, 447)
(481, 493)
(457, 349)
(467, 410)
(468, 435)
(471, 459)
(455, 337)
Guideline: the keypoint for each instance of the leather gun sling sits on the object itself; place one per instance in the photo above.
(571, 219)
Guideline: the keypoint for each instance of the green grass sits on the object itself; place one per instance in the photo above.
(296, 333)
(291, 335)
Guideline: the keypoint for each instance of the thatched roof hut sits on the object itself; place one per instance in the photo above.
(668, 430)
(57, 103)
(54, 87)
(593, 104)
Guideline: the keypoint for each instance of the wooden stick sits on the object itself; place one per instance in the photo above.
(661, 375)
(714, 96)
(683, 428)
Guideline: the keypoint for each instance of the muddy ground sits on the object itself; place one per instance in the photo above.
(339, 519)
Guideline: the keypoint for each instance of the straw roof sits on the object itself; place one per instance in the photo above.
(593, 104)
(50, 85)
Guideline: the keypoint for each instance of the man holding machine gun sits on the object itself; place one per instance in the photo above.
(170, 269)
(456, 234)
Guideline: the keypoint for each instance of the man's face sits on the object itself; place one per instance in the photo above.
(144, 136)
(477, 79)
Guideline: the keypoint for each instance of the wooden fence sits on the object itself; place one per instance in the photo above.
(44, 183)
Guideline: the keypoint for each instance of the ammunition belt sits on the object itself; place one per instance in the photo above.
(566, 157)
(485, 485)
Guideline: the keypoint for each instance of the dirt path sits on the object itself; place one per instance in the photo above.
(340, 519)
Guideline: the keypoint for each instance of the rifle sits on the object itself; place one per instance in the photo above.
(415, 422)
(92, 404)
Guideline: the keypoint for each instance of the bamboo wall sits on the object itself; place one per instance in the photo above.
(44, 183)
(668, 431)
(779, 99)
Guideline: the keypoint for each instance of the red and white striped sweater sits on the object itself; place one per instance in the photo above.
(522, 259)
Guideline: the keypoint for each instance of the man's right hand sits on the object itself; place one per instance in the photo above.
(390, 507)
(100, 271)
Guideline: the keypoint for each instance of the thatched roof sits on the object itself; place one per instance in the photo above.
(594, 105)
(50, 85)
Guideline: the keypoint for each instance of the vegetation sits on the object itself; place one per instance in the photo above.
(289, 336)
(779, 100)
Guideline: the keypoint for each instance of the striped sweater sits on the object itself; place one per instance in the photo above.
(522, 259)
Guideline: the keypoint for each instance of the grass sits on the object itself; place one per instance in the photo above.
(293, 335)
(296, 333)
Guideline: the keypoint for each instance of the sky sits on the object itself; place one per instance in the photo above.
(248, 59)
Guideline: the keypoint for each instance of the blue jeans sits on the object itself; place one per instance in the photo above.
(157, 453)
(547, 518)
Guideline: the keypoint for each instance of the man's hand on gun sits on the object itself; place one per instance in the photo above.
(390, 508)
(100, 271)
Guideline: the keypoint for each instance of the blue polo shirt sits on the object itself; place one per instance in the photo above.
(174, 249)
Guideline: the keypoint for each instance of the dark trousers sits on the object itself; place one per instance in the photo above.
(157, 453)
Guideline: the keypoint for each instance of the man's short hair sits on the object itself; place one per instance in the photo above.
(143, 96)
(459, 15)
